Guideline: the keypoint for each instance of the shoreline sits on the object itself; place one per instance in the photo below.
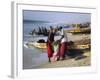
(71, 62)
(33, 59)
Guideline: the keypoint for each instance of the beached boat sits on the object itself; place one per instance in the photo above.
(78, 30)
(36, 45)
(86, 46)
(40, 45)
(79, 46)
(43, 46)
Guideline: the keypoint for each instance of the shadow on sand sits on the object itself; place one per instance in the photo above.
(75, 53)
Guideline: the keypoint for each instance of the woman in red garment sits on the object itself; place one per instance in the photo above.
(63, 44)
(50, 40)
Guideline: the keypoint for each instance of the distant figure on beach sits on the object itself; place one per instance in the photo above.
(63, 43)
(50, 40)
(56, 50)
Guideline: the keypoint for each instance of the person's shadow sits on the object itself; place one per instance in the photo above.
(74, 53)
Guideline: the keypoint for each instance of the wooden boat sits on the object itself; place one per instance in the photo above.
(86, 46)
(78, 30)
(40, 45)
(79, 46)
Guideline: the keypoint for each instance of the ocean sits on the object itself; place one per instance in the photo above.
(33, 57)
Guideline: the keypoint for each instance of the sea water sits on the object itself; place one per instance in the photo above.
(32, 57)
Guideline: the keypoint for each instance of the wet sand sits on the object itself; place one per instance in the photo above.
(71, 62)
(33, 58)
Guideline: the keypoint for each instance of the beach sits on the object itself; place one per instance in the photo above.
(36, 28)
(71, 62)
(34, 58)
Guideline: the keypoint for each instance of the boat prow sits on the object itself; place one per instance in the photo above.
(40, 45)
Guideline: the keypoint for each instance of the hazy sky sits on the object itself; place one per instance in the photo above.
(56, 17)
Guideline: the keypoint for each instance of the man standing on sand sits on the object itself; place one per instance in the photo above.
(63, 44)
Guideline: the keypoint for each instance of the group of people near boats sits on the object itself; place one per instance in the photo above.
(56, 48)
